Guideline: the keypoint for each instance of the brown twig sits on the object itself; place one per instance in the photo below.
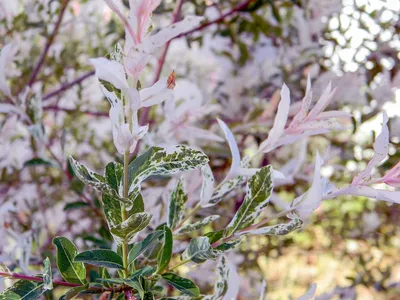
(68, 110)
(49, 42)
(66, 86)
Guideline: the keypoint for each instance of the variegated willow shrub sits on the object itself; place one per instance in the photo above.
(145, 266)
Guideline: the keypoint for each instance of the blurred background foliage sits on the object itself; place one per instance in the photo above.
(238, 58)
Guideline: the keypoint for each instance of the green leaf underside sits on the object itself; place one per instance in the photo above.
(163, 161)
(23, 290)
(165, 254)
(199, 250)
(101, 258)
(176, 205)
(73, 272)
(183, 285)
(95, 180)
(47, 276)
(221, 285)
(142, 246)
(128, 228)
(196, 226)
(259, 189)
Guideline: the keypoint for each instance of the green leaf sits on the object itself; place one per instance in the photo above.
(72, 293)
(47, 276)
(113, 175)
(163, 161)
(40, 162)
(165, 254)
(279, 229)
(221, 285)
(199, 250)
(183, 285)
(75, 205)
(142, 246)
(176, 205)
(101, 258)
(95, 180)
(23, 290)
(224, 189)
(259, 189)
(128, 228)
(196, 226)
(71, 271)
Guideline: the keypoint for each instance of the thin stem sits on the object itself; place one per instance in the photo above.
(37, 279)
(67, 85)
(179, 264)
(123, 212)
(50, 41)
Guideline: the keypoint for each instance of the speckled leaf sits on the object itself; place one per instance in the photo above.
(176, 205)
(142, 246)
(221, 285)
(93, 179)
(183, 285)
(47, 276)
(196, 226)
(128, 228)
(73, 272)
(163, 161)
(23, 290)
(101, 258)
(259, 190)
(279, 229)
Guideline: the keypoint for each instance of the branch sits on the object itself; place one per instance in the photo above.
(37, 279)
(234, 10)
(50, 41)
(68, 110)
(68, 85)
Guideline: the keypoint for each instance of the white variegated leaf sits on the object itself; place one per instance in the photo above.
(127, 229)
(279, 229)
(311, 200)
(281, 117)
(199, 250)
(258, 192)
(207, 186)
(163, 161)
(176, 205)
(110, 71)
(381, 150)
(196, 226)
(234, 150)
(221, 285)
(310, 294)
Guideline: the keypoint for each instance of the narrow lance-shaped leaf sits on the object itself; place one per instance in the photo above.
(259, 190)
(196, 226)
(73, 272)
(176, 205)
(72, 293)
(142, 246)
(101, 258)
(130, 227)
(221, 285)
(183, 285)
(279, 229)
(165, 254)
(207, 186)
(47, 276)
(93, 179)
(23, 290)
(163, 161)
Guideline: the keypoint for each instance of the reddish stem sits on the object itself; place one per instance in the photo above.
(49, 42)
(38, 279)
(68, 85)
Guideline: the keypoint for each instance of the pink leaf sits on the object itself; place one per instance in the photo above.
(234, 149)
